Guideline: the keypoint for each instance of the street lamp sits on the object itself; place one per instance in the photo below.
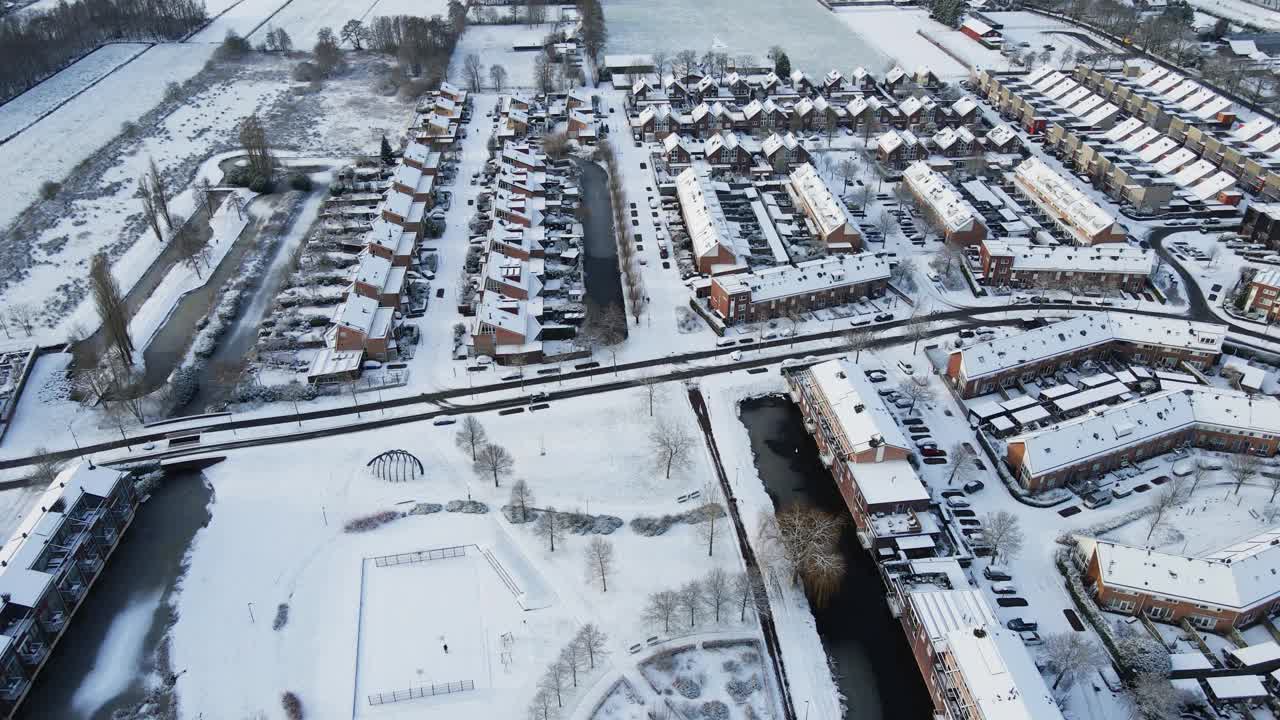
(76, 440)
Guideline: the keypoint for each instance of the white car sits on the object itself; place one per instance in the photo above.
(957, 502)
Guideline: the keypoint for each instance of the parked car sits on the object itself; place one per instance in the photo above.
(884, 317)
(996, 573)
(1118, 492)
(444, 421)
(913, 421)
(969, 522)
(933, 452)
(1022, 625)
(973, 486)
(1030, 637)
(951, 493)
(1004, 588)
(957, 502)
(1096, 499)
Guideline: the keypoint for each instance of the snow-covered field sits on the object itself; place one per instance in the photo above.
(493, 44)
(1037, 31)
(241, 17)
(1241, 11)
(811, 36)
(302, 19)
(896, 32)
(276, 537)
(27, 108)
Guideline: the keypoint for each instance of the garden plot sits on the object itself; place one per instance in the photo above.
(28, 107)
(717, 680)
(803, 28)
(621, 703)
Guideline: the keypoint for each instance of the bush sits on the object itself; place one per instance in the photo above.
(426, 508)
(740, 690)
(260, 183)
(239, 176)
(371, 522)
(292, 706)
(687, 688)
(300, 181)
(129, 128)
(467, 506)
(50, 189)
(282, 616)
(233, 47)
(715, 710)
(173, 92)
(307, 72)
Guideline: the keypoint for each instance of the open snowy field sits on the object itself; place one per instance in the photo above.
(893, 32)
(1241, 11)
(813, 39)
(276, 537)
(51, 148)
(1037, 31)
(28, 107)
(241, 17)
(493, 44)
(302, 19)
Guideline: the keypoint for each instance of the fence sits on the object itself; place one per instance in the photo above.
(502, 572)
(420, 556)
(421, 691)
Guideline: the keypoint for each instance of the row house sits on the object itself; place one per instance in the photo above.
(1232, 587)
(1111, 437)
(787, 290)
(1016, 263)
(1069, 208)
(388, 240)
(507, 329)
(936, 197)
(402, 210)
(412, 181)
(518, 242)
(899, 148)
(859, 441)
(582, 126)
(784, 152)
(727, 150)
(49, 565)
(1262, 295)
(361, 329)
(677, 151)
(376, 278)
(1005, 362)
(512, 277)
(824, 211)
(422, 158)
(1261, 224)
(715, 244)
(1002, 139)
(955, 142)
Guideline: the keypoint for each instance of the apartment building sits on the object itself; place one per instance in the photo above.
(982, 368)
(1262, 295)
(935, 195)
(376, 278)
(1079, 218)
(1115, 436)
(49, 565)
(861, 443)
(792, 289)
(714, 242)
(1262, 224)
(1231, 587)
(1017, 263)
(826, 213)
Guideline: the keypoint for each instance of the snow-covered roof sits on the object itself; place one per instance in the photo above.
(1211, 187)
(976, 25)
(856, 407)
(1156, 150)
(1236, 687)
(941, 611)
(1068, 336)
(910, 106)
(951, 209)
(1189, 661)
(964, 106)
(1139, 139)
(825, 209)
(514, 272)
(1217, 104)
(1122, 130)
(1103, 113)
(1111, 428)
(356, 313)
(1230, 580)
(1270, 278)
(1269, 141)
(703, 216)
(1103, 257)
(895, 74)
(1193, 173)
(776, 142)
(1174, 161)
(508, 314)
(1252, 129)
(1151, 75)
(889, 141)
(1000, 134)
(1000, 675)
(1256, 654)
(806, 277)
(372, 270)
(1070, 203)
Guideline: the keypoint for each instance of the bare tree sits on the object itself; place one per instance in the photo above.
(112, 310)
(1003, 532)
(542, 706)
(1199, 471)
(473, 70)
(494, 460)
(5, 327)
(653, 390)
(1153, 697)
(1242, 467)
(521, 498)
(572, 660)
(962, 457)
(691, 598)
(671, 443)
(594, 643)
(149, 211)
(497, 77)
(599, 561)
(553, 681)
(915, 392)
(661, 58)
(191, 249)
(749, 592)
(661, 607)
(471, 435)
(717, 591)
(686, 61)
(918, 329)
(24, 316)
(806, 540)
(1162, 503)
(159, 193)
(885, 223)
(550, 526)
(855, 341)
(709, 528)
(203, 192)
(1072, 655)
(45, 469)
(253, 138)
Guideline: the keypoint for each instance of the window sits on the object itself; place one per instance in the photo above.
(1159, 613)
(1121, 605)
(1203, 622)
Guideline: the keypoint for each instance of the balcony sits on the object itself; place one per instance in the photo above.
(33, 653)
(13, 687)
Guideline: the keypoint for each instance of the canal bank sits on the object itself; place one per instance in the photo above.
(874, 668)
(102, 663)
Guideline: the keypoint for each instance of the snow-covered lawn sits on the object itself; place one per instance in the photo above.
(493, 44)
(1241, 11)
(811, 36)
(241, 17)
(29, 106)
(276, 537)
(1037, 31)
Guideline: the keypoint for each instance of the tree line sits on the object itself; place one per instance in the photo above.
(35, 45)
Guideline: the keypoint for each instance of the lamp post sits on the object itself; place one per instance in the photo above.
(76, 440)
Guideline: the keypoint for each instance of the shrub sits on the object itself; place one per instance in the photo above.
(467, 506)
(129, 128)
(173, 92)
(239, 176)
(300, 181)
(260, 183)
(292, 706)
(715, 710)
(687, 687)
(282, 616)
(740, 690)
(306, 71)
(50, 189)
(233, 47)
(371, 522)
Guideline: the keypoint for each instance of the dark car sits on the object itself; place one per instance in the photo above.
(952, 493)
(1020, 625)
(884, 317)
(935, 461)
(963, 513)
(913, 421)
(933, 452)
(439, 292)
(973, 486)
(969, 522)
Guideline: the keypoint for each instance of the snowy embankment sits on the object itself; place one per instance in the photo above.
(225, 226)
(29, 107)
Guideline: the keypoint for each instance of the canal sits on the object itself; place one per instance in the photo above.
(877, 673)
(600, 264)
(109, 650)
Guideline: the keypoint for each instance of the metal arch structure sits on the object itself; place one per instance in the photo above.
(396, 466)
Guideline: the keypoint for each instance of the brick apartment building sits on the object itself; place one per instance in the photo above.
(1262, 295)
(1016, 263)
(1068, 207)
(780, 291)
(1262, 224)
(934, 194)
(1228, 588)
(826, 213)
(1003, 362)
(1120, 435)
